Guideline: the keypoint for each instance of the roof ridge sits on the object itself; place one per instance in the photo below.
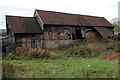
(68, 13)
(71, 19)
(18, 16)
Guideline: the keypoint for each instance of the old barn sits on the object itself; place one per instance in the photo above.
(49, 29)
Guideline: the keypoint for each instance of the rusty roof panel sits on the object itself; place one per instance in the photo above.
(23, 24)
(82, 20)
(101, 31)
(58, 18)
(64, 19)
(98, 22)
(104, 31)
(106, 22)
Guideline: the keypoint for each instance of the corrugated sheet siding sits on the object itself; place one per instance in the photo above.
(58, 18)
(23, 24)
(105, 32)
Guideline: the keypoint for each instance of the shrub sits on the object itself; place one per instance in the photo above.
(42, 54)
(85, 50)
(32, 54)
(93, 49)
(116, 37)
(9, 56)
(63, 47)
(80, 51)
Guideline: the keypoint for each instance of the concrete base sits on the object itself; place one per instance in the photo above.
(55, 43)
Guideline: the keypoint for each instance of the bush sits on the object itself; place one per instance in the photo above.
(9, 56)
(117, 37)
(80, 51)
(33, 54)
(93, 49)
(41, 54)
(63, 47)
(85, 50)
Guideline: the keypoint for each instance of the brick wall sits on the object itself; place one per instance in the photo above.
(19, 49)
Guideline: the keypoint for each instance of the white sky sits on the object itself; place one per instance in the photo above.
(119, 13)
(103, 8)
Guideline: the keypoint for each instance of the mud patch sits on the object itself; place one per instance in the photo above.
(112, 57)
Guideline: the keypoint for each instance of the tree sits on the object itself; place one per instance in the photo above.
(3, 34)
(116, 24)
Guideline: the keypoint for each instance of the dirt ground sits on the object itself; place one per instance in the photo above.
(112, 57)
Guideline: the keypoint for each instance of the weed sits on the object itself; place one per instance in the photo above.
(9, 56)
(11, 70)
(92, 50)
(34, 54)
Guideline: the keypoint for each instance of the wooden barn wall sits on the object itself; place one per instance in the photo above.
(8, 44)
(26, 42)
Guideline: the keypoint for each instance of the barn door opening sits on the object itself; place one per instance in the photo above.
(78, 33)
(35, 44)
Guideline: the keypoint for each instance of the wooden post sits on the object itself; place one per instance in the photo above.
(41, 43)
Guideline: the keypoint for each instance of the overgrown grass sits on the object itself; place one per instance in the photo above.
(60, 68)
(89, 50)
(76, 60)
(93, 50)
(29, 55)
(12, 70)
(81, 50)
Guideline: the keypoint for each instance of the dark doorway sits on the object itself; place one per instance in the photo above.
(73, 36)
(35, 44)
(78, 33)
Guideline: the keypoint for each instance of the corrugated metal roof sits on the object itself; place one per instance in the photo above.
(23, 24)
(58, 18)
(104, 31)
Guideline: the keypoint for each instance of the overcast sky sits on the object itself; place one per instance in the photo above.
(119, 11)
(103, 8)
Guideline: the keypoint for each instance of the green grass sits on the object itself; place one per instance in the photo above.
(65, 68)
(72, 61)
